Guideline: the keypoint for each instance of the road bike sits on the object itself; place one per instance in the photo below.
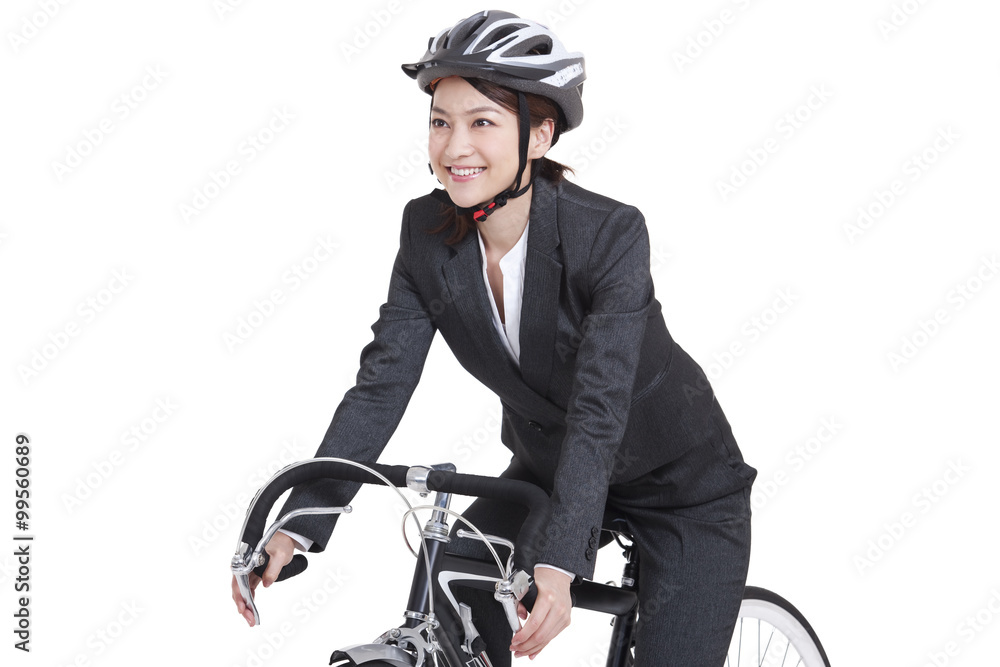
(438, 630)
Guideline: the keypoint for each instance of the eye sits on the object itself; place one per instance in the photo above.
(438, 122)
(482, 122)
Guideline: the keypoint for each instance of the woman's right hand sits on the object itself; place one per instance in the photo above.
(281, 548)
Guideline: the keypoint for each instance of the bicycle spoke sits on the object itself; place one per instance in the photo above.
(739, 649)
(766, 646)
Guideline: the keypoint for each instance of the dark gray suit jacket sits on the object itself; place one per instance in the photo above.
(603, 395)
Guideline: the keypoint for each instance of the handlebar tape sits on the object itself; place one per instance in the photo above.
(531, 539)
(308, 471)
(297, 565)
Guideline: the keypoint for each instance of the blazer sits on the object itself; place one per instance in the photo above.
(603, 396)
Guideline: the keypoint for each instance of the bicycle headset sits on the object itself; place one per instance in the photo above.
(518, 54)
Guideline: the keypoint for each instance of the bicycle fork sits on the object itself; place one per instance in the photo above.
(429, 626)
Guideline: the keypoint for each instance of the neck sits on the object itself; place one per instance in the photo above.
(502, 229)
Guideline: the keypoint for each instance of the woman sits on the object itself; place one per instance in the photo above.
(543, 292)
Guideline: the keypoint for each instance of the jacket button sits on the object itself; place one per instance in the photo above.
(535, 425)
(595, 531)
(592, 542)
(589, 554)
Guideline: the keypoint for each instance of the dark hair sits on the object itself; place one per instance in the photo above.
(539, 109)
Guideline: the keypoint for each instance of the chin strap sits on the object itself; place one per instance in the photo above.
(483, 211)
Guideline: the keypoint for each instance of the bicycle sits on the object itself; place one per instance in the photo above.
(770, 630)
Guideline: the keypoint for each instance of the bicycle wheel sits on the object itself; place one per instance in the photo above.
(771, 632)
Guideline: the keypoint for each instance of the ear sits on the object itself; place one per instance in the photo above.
(541, 139)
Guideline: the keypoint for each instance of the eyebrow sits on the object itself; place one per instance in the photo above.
(468, 112)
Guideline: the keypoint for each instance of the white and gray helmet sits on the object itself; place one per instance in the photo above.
(510, 51)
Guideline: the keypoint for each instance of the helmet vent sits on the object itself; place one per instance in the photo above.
(544, 48)
(463, 31)
(504, 32)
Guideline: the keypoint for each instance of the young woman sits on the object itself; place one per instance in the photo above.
(543, 292)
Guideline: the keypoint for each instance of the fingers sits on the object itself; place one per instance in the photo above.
(241, 606)
(273, 570)
(548, 618)
(281, 548)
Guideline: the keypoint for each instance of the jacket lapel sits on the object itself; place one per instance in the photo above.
(540, 301)
(463, 274)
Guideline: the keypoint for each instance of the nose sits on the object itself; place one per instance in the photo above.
(458, 145)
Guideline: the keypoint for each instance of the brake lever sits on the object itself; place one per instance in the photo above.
(246, 560)
(242, 570)
(509, 592)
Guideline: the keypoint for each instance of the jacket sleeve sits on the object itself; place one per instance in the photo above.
(370, 411)
(621, 292)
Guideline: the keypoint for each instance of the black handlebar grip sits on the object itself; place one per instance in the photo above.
(297, 565)
(529, 598)
(307, 471)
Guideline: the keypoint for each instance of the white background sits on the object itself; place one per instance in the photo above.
(659, 133)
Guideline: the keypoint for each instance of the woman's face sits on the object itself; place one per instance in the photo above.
(473, 143)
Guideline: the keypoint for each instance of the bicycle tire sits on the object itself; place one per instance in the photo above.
(770, 627)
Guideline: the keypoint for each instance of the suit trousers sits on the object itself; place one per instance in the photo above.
(693, 556)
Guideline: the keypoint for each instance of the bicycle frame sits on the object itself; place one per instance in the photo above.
(437, 628)
(455, 631)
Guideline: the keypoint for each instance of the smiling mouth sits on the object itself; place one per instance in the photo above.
(471, 171)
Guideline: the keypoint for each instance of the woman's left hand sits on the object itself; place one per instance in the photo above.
(549, 616)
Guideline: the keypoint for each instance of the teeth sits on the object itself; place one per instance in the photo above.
(466, 172)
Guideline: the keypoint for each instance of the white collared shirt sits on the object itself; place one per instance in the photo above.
(512, 268)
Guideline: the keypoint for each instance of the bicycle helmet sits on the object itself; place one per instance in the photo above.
(516, 53)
